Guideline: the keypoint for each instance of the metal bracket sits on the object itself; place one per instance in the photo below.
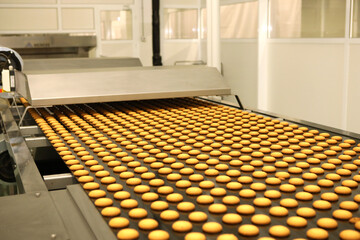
(239, 102)
(23, 115)
(33, 142)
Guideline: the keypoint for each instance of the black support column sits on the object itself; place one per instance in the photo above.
(156, 33)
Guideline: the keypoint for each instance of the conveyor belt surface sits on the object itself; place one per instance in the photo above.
(189, 156)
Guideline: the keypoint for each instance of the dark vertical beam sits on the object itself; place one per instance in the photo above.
(156, 33)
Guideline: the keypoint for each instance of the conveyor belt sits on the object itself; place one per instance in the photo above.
(183, 143)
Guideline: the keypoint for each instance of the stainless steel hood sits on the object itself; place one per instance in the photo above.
(47, 88)
(50, 45)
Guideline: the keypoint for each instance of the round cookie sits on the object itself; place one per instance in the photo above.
(195, 235)
(322, 204)
(260, 219)
(127, 234)
(225, 236)
(327, 223)
(279, 231)
(204, 199)
(217, 208)
(158, 235)
(129, 203)
(182, 226)
(137, 213)
(169, 215)
(289, 203)
(342, 214)
(119, 222)
(248, 230)
(212, 227)
(103, 202)
(245, 209)
(198, 216)
(296, 221)
(186, 206)
(278, 211)
(110, 211)
(306, 212)
(148, 224)
(159, 205)
(317, 233)
(262, 202)
(97, 193)
(232, 218)
(349, 234)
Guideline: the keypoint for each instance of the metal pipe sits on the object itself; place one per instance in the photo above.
(156, 33)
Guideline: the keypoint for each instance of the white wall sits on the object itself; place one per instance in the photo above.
(67, 16)
(239, 63)
(353, 90)
(305, 81)
(175, 50)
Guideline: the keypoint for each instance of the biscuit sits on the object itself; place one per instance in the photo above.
(158, 235)
(217, 208)
(148, 224)
(149, 196)
(185, 206)
(342, 214)
(159, 205)
(306, 212)
(322, 204)
(137, 213)
(119, 222)
(97, 193)
(248, 230)
(195, 235)
(278, 211)
(141, 189)
(262, 202)
(247, 193)
(129, 203)
(279, 231)
(182, 226)
(349, 234)
(110, 212)
(212, 227)
(232, 218)
(197, 216)
(245, 209)
(261, 219)
(127, 234)
(296, 221)
(327, 223)
(317, 233)
(121, 195)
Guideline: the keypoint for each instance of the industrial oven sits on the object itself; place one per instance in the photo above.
(91, 150)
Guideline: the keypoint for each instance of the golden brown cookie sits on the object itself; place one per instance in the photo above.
(261, 219)
(182, 226)
(232, 218)
(212, 227)
(317, 233)
(327, 223)
(279, 231)
(127, 234)
(119, 222)
(248, 230)
(296, 221)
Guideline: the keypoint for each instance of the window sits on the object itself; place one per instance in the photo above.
(356, 19)
(239, 20)
(181, 23)
(307, 18)
(116, 25)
